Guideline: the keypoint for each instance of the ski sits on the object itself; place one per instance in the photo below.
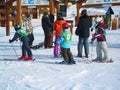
(65, 63)
(110, 61)
(84, 61)
(15, 59)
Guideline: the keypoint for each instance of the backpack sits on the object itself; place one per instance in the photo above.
(104, 32)
(67, 36)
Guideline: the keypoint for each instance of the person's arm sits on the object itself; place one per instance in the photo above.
(15, 37)
(60, 40)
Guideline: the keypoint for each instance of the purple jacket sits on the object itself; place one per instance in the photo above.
(100, 29)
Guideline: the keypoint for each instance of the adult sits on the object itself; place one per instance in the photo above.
(83, 32)
(51, 16)
(47, 27)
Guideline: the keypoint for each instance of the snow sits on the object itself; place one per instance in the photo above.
(44, 74)
(91, 11)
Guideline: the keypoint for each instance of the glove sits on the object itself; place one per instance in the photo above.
(10, 41)
(92, 40)
(55, 42)
(91, 29)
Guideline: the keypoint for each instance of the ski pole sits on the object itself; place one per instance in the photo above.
(14, 50)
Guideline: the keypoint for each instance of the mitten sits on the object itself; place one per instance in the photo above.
(91, 29)
(10, 41)
(92, 40)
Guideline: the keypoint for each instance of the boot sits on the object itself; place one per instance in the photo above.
(22, 58)
(30, 58)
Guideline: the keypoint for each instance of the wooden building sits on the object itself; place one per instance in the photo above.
(7, 10)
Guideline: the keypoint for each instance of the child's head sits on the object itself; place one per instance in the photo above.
(99, 20)
(17, 27)
(65, 26)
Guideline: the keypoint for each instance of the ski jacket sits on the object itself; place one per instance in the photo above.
(28, 25)
(46, 24)
(100, 33)
(57, 27)
(65, 39)
(83, 26)
(20, 34)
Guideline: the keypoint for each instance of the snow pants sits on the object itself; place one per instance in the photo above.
(26, 48)
(102, 47)
(31, 39)
(48, 40)
(57, 49)
(67, 55)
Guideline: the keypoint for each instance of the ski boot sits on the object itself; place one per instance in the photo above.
(22, 58)
(30, 58)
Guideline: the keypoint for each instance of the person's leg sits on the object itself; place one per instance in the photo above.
(69, 55)
(51, 39)
(99, 51)
(56, 47)
(64, 55)
(23, 53)
(31, 39)
(86, 47)
(80, 47)
(45, 41)
(27, 48)
(105, 51)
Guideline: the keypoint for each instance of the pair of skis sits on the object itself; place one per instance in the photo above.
(77, 61)
(15, 59)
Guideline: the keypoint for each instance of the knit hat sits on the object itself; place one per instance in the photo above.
(45, 13)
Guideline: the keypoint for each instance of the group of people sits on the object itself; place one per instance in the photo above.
(83, 31)
(63, 37)
(25, 34)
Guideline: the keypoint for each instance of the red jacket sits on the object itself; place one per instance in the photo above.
(57, 27)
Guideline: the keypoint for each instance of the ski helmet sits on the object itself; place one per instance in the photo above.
(99, 19)
(17, 27)
(65, 25)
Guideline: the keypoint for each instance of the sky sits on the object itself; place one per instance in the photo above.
(45, 74)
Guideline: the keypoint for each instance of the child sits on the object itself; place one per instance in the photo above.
(100, 35)
(57, 27)
(23, 37)
(65, 43)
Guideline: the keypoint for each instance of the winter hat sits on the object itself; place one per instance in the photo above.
(84, 12)
(65, 26)
(99, 19)
(60, 14)
(45, 13)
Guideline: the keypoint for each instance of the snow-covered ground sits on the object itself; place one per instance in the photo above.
(44, 74)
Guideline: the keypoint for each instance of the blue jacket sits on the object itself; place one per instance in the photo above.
(65, 39)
